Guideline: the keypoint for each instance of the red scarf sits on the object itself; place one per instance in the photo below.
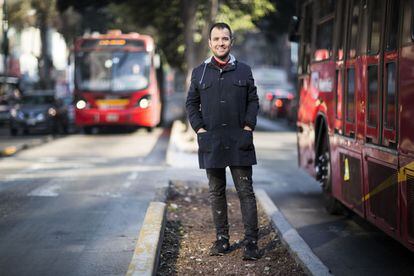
(220, 63)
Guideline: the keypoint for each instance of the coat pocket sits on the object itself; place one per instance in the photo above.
(240, 83)
(204, 142)
(246, 140)
(204, 86)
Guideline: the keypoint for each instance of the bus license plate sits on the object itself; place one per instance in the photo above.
(112, 117)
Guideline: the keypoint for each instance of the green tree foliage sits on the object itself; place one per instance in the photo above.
(180, 27)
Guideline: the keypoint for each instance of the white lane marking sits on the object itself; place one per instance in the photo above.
(133, 176)
(127, 184)
(48, 191)
(23, 173)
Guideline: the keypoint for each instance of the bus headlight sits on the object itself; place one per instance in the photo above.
(81, 104)
(144, 102)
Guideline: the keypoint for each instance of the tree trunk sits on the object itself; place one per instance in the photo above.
(210, 18)
(45, 61)
(189, 9)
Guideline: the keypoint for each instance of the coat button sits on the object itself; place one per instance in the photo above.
(222, 101)
(226, 147)
(224, 124)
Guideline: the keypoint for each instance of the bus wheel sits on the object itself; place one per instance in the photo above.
(149, 129)
(324, 175)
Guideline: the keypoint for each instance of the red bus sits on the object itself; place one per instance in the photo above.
(116, 81)
(356, 89)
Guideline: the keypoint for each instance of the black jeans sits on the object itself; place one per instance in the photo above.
(242, 177)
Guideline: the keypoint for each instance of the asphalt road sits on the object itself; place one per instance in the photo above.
(74, 206)
(348, 245)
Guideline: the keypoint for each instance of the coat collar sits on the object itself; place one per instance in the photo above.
(231, 64)
(231, 61)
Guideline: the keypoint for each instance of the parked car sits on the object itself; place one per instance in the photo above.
(4, 112)
(280, 99)
(38, 111)
(274, 91)
(9, 91)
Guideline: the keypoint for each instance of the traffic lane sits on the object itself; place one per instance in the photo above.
(79, 215)
(347, 245)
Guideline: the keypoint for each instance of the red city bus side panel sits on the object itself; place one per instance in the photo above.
(406, 92)
(351, 180)
(348, 180)
(406, 181)
(335, 165)
(306, 134)
(382, 190)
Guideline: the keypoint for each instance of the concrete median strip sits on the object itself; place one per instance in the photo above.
(10, 150)
(299, 249)
(147, 249)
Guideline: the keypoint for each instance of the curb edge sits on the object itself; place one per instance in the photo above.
(148, 246)
(297, 247)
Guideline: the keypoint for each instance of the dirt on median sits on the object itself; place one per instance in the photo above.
(189, 233)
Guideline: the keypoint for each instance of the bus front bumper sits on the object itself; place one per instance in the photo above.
(127, 117)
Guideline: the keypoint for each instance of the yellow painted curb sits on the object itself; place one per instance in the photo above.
(145, 258)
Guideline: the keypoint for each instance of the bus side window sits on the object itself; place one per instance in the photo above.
(392, 25)
(339, 29)
(375, 27)
(339, 92)
(373, 100)
(353, 29)
(324, 30)
(363, 32)
(306, 39)
(407, 32)
(391, 96)
(350, 96)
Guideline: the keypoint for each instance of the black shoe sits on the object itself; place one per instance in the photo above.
(220, 247)
(251, 251)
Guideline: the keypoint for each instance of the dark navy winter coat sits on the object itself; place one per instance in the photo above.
(223, 101)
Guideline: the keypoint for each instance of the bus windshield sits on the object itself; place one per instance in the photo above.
(112, 71)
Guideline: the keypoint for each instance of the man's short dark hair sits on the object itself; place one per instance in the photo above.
(220, 25)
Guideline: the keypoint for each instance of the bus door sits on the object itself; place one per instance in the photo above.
(349, 157)
(380, 86)
(381, 73)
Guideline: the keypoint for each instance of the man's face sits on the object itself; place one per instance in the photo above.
(220, 42)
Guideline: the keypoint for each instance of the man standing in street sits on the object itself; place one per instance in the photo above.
(222, 106)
